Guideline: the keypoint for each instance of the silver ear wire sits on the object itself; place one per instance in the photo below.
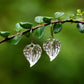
(31, 35)
(51, 27)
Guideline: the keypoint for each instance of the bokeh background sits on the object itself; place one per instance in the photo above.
(67, 68)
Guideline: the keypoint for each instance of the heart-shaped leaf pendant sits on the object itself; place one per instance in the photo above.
(52, 48)
(32, 53)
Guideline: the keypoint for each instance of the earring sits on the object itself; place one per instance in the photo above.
(32, 52)
(52, 46)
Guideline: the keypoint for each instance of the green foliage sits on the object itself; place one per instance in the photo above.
(58, 15)
(78, 19)
(39, 32)
(47, 19)
(27, 34)
(83, 13)
(72, 16)
(18, 27)
(4, 33)
(78, 11)
(44, 19)
(67, 18)
(80, 27)
(57, 27)
(16, 39)
(39, 19)
(26, 25)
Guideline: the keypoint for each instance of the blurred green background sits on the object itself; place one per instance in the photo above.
(67, 68)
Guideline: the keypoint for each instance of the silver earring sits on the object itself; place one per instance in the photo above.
(32, 52)
(52, 46)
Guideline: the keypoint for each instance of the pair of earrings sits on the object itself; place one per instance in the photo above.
(32, 52)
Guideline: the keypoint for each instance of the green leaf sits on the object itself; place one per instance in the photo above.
(16, 39)
(67, 18)
(83, 12)
(27, 34)
(26, 25)
(78, 19)
(18, 27)
(72, 16)
(78, 11)
(47, 19)
(39, 32)
(57, 27)
(39, 19)
(80, 27)
(58, 14)
(78, 14)
(4, 33)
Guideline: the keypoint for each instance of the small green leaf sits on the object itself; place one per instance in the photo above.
(83, 12)
(39, 19)
(58, 14)
(47, 19)
(78, 14)
(78, 19)
(57, 27)
(72, 16)
(39, 32)
(18, 27)
(67, 18)
(16, 39)
(78, 11)
(80, 27)
(4, 33)
(26, 25)
(27, 34)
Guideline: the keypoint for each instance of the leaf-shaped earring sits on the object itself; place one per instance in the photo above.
(52, 46)
(32, 52)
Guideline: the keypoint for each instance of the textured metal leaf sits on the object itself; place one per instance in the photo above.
(32, 53)
(80, 27)
(52, 48)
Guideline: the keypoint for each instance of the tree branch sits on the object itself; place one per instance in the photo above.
(45, 24)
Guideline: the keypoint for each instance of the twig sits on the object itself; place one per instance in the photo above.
(45, 24)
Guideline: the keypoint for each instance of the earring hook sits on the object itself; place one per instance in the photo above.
(31, 36)
(51, 31)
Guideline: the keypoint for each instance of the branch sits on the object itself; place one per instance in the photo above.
(45, 24)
